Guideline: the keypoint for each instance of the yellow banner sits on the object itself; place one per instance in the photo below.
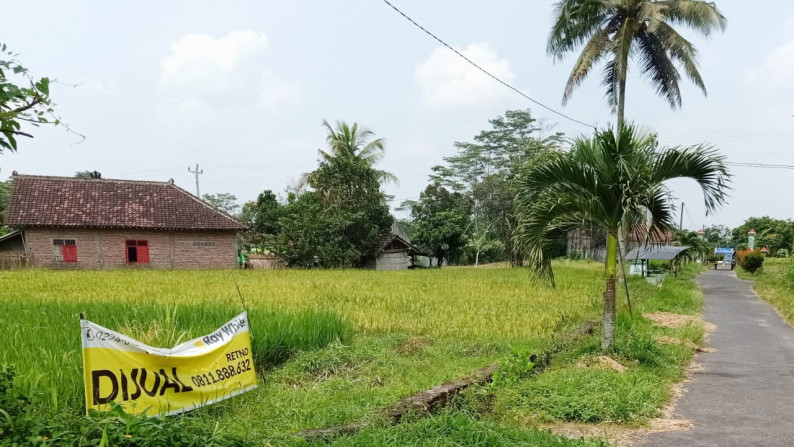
(154, 381)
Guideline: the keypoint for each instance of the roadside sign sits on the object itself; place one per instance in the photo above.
(155, 381)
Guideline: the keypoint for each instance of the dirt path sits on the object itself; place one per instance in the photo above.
(744, 393)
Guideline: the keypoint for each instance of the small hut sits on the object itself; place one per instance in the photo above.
(391, 252)
(639, 260)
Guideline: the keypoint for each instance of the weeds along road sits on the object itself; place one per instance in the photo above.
(743, 395)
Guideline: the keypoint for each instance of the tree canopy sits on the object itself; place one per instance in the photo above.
(223, 201)
(612, 181)
(618, 31)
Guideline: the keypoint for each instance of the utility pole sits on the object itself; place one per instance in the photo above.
(196, 172)
(680, 222)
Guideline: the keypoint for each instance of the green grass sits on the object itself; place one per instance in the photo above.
(413, 330)
(774, 283)
(568, 392)
(457, 430)
(336, 347)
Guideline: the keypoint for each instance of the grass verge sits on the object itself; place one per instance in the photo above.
(774, 283)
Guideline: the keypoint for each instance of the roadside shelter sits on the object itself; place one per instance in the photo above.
(639, 259)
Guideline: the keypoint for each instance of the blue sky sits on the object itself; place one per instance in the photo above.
(242, 87)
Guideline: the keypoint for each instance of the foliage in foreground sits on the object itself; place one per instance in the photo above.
(23, 423)
(27, 101)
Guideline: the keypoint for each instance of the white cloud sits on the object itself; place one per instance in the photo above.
(202, 72)
(446, 80)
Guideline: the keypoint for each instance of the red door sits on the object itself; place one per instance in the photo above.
(143, 252)
(69, 253)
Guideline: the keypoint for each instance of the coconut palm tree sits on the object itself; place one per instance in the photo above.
(608, 182)
(619, 30)
(355, 142)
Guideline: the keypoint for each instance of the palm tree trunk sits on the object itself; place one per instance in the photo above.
(621, 102)
(608, 322)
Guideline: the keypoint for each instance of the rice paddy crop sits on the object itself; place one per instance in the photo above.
(384, 335)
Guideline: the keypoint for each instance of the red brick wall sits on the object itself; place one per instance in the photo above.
(102, 248)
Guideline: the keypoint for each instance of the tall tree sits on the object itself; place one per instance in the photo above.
(609, 182)
(337, 224)
(717, 235)
(483, 170)
(25, 100)
(353, 142)
(619, 30)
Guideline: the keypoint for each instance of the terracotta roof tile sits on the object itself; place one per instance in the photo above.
(108, 203)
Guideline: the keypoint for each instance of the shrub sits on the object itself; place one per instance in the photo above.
(752, 262)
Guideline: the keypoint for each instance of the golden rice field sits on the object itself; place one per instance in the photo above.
(459, 302)
(411, 329)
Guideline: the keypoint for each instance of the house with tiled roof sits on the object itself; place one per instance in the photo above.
(94, 223)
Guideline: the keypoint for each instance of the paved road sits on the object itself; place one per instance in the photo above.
(744, 396)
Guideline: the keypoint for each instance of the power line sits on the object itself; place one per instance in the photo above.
(759, 165)
(484, 70)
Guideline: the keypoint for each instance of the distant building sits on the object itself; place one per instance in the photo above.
(391, 252)
(95, 223)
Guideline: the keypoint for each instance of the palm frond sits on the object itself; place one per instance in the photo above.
(659, 69)
(696, 14)
(595, 49)
(701, 163)
(682, 51)
(575, 21)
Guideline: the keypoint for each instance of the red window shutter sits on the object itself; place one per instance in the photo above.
(69, 253)
(143, 253)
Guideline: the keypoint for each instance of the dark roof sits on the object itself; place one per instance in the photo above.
(658, 253)
(11, 235)
(38, 201)
(391, 239)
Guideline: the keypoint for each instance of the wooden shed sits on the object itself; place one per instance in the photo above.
(392, 252)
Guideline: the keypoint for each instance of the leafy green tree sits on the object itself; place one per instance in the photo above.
(772, 233)
(616, 31)
(223, 201)
(718, 235)
(337, 224)
(262, 217)
(435, 199)
(441, 235)
(26, 100)
(483, 171)
(440, 222)
(609, 182)
(83, 174)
